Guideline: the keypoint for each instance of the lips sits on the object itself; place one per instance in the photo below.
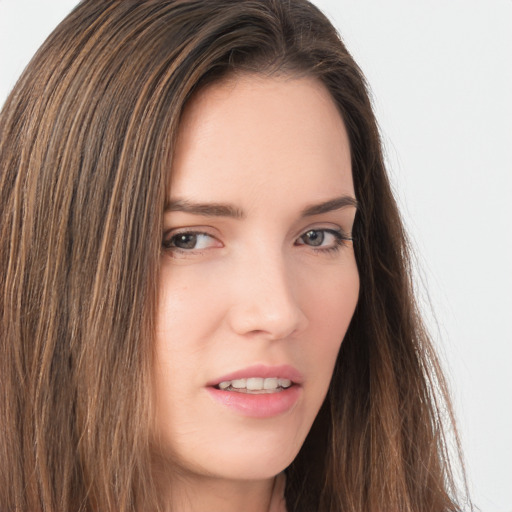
(258, 391)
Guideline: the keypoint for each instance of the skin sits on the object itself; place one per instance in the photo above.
(251, 289)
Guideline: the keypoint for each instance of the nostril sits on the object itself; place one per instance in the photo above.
(272, 324)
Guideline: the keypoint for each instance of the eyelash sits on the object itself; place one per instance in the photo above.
(340, 239)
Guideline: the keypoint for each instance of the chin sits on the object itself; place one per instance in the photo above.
(258, 457)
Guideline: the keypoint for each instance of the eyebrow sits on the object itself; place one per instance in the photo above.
(205, 209)
(227, 210)
(328, 206)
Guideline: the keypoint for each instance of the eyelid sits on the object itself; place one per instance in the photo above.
(196, 230)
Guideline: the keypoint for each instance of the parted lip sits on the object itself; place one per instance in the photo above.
(284, 371)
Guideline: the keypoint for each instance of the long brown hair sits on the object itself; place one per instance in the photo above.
(86, 144)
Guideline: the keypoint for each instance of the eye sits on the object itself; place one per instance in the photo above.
(323, 239)
(314, 237)
(190, 240)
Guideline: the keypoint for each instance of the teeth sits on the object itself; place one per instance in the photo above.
(239, 383)
(256, 384)
(270, 383)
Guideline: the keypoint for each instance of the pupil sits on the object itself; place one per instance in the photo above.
(315, 237)
(185, 241)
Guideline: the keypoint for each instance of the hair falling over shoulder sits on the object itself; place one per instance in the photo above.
(86, 141)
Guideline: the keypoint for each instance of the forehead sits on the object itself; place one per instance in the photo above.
(254, 132)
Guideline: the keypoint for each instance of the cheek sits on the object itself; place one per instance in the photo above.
(330, 297)
(185, 317)
(329, 308)
(185, 310)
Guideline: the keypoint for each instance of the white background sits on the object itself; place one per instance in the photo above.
(441, 77)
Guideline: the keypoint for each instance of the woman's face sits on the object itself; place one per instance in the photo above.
(258, 278)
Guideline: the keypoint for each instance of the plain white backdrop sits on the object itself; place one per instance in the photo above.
(441, 78)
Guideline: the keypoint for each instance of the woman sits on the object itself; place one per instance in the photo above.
(181, 261)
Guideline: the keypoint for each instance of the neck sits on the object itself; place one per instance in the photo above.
(220, 495)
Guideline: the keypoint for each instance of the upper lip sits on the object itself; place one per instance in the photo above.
(284, 371)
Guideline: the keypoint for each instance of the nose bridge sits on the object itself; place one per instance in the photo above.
(265, 300)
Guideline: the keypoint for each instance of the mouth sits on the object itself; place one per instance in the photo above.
(259, 378)
(259, 391)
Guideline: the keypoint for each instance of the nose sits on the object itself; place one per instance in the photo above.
(264, 301)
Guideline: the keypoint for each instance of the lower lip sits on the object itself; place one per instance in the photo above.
(264, 405)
